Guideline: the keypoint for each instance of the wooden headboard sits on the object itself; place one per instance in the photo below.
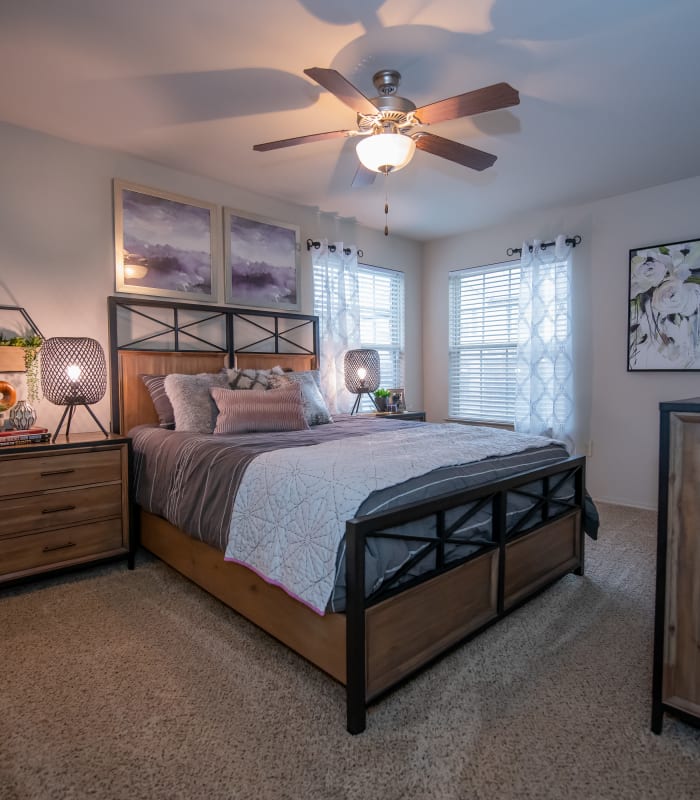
(286, 339)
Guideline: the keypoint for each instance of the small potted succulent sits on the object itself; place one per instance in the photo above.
(381, 398)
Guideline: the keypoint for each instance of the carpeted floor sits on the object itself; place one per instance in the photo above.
(129, 685)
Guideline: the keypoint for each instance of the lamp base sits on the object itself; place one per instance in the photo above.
(70, 410)
(356, 405)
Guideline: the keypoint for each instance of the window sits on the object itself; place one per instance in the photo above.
(483, 341)
(382, 319)
(381, 301)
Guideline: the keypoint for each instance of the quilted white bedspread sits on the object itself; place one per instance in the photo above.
(290, 510)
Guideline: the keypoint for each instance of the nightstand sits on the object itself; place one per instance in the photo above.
(405, 415)
(64, 504)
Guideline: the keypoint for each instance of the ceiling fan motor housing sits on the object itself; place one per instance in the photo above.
(392, 110)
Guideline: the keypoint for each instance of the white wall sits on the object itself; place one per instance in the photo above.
(57, 260)
(57, 241)
(619, 409)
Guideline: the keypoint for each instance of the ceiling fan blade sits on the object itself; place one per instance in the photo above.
(312, 137)
(454, 151)
(342, 88)
(500, 95)
(363, 177)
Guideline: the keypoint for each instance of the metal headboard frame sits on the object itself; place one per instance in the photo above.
(183, 332)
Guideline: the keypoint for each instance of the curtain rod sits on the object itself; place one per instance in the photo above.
(316, 245)
(511, 251)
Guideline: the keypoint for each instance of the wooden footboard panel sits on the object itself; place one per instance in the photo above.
(408, 630)
(539, 558)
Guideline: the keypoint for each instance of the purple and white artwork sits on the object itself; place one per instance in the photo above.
(261, 257)
(165, 245)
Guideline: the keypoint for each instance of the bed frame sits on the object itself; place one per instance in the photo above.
(382, 639)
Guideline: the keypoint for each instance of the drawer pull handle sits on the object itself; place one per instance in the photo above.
(58, 508)
(56, 472)
(48, 549)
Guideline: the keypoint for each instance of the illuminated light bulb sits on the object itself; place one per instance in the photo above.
(385, 152)
(361, 373)
(73, 371)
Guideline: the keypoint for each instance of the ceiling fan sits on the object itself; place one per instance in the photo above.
(390, 127)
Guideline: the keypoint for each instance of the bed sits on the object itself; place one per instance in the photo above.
(526, 523)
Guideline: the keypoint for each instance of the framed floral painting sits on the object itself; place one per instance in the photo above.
(664, 307)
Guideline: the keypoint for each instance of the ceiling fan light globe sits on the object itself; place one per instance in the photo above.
(385, 152)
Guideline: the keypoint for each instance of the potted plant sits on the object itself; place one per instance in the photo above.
(21, 354)
(381, 398)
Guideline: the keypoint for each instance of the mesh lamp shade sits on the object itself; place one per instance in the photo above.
(361, 369)
(73, 373)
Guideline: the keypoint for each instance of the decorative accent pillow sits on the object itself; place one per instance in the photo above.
(161, 403)
(243, 411)
(193, 407)
(315, 409)
(251, 378)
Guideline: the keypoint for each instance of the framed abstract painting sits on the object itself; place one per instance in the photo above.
(664, 307)
(262, 261)
(165, 244)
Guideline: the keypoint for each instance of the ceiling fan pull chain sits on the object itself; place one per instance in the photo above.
(386, 205)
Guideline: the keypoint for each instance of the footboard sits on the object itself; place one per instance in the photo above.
(410, 621)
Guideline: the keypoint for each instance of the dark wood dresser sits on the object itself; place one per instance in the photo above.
(676, 681)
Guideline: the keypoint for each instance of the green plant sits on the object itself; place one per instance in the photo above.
(31, 345)
(382, 393)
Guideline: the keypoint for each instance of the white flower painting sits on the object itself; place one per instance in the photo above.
(664, 307)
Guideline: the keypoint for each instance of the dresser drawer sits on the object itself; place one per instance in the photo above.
(58, 470)
(23, 514)
(39, 550)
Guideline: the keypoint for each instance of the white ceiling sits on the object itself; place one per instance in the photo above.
(610, 94)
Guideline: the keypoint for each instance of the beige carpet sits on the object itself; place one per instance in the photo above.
(117, 684)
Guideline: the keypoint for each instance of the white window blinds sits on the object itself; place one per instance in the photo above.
(382, 319)
(483, 334)
(381, 300)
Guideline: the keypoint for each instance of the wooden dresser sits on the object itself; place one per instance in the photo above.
(676, 681)
(64, 504)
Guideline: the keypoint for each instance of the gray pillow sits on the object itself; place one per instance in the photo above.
(315, 409)
(251, 378)
(193, 406)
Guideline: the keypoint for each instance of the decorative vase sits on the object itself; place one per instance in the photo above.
(22, 415)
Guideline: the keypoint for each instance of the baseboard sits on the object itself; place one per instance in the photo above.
(625, 504)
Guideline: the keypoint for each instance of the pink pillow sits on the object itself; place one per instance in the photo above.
(243, 411)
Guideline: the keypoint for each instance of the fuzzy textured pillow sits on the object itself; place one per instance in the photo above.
(193, 407)
(251, 378)
(315, 409)
(163, 406)
(243, 411)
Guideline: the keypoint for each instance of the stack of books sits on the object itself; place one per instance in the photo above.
(14, 436)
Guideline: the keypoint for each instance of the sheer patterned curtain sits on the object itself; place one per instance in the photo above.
(544, 401)
(337, 304)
